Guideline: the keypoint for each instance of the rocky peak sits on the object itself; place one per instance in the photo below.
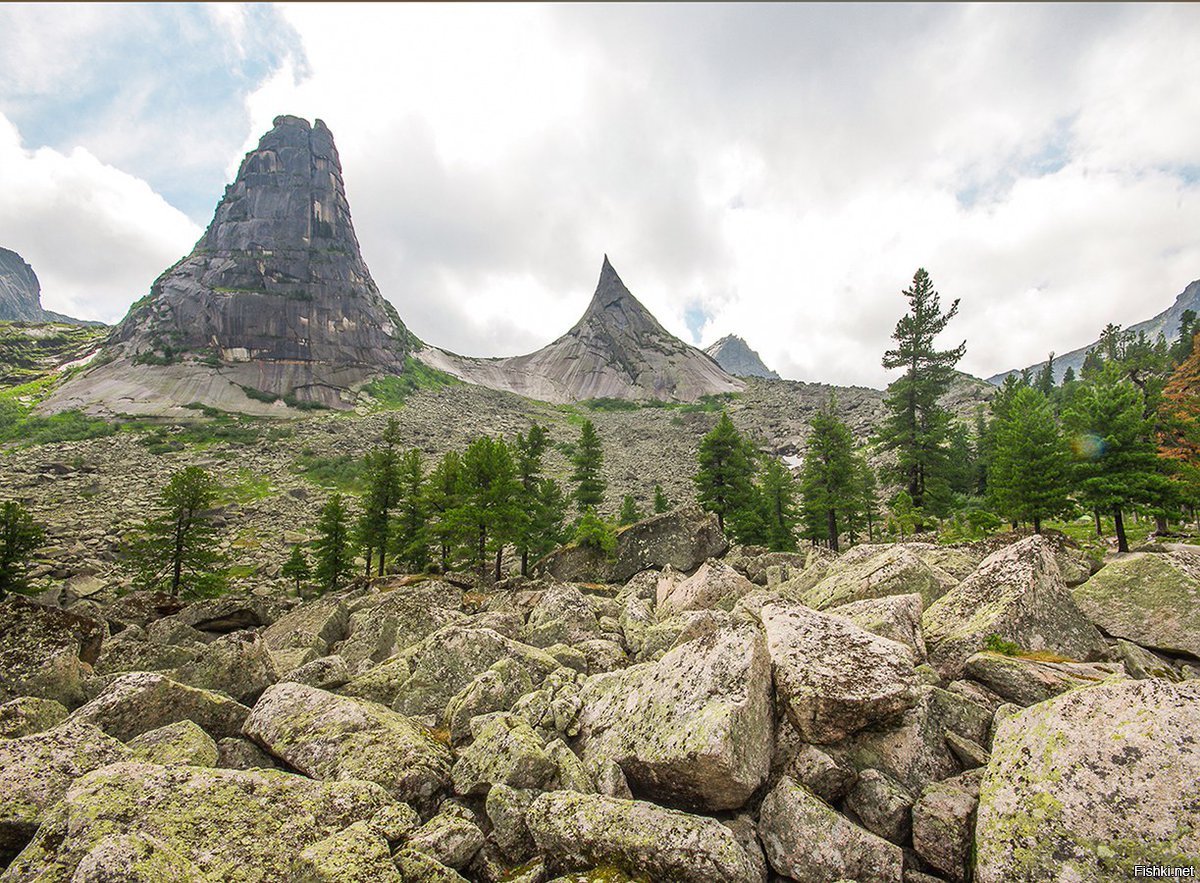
(275, 297)
(734, 355)
(21, 293)
(620, 322)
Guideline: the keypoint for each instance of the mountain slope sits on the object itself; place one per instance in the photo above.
(21, 293)
(1166, 322)
(274, 302)
(734, 355)
(616, 350)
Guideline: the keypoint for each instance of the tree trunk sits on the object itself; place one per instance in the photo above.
(720, 521)
(1122, 543)
(499, 556)
(524, 562)
(833, 532)
(382, 550)
(1160, 524)
(1037, 524)
(1099, 529)
(177, 563)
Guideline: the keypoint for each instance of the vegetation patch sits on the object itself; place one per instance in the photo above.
(390, 391)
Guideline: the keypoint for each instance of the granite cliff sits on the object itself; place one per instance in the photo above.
(21, 293)
(734, 355)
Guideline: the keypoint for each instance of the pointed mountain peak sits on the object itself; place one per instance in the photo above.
(734, 355)
(613, 304)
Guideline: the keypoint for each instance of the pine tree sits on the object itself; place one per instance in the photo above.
(490, 501)
(177, 548)
(905, 515)
(529, 450)
(19, 536)
(661, 503)
(1115, 460)
(629, 511)
(332, 546)
(1029, 473)
(382, 469)
(588, 458)
(866, 501)
(546, 532)
(443, 496)
(777, 493)
(1045, 378)
(724, 481)
(593, 532)
(916, 426)
(828, 477)
(410, 540)
(296, 567)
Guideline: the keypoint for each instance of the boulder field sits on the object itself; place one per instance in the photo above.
(699, 714)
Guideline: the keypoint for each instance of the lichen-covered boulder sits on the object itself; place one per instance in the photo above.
(180, 742)
(449, 839)
(326, 673)
(808, 841)
(354, 855)
(318, 624)
(36, 770)
(418, 867)
(140, 701)
(235, 753)
(238, 664)
(896, 617)
(683, 538)
(506, 808)
(876, 572)
(327, 736)
(832, 677)
(229, 613)
(505, 750)
(1150, 598)
(45, 651)
(1092, 783)
(379, 683)
(913, 749)
(133, 650)
(706, 587)
(882, 806)
(563, 615)
(451, 658)
(1028, 681)
(135, 858)
(1018, 594)
(27, 715)
(695, 728)
(828, 778)
(943, 824)
(665, 636)
(398, 617)
(579, 831)
(234, 826)
(496, 689)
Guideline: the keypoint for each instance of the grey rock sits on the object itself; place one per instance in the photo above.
(943, 825)
(21, 293)
(234, 753)
(27, 715)
(448, 839)
(505, 750)
(326, 673)
(712, 583)
(137, 702)
(734, 355)
(1029, 681)
(882, 806)
(43, 651)
(180, 742)
(239, 664)
(896, 617)
(506, 808)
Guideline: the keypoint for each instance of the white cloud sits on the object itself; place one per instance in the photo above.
(96, 236)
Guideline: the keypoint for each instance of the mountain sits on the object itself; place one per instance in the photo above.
(1166, 322)
(274, 302)
(616, 350)
(735, 356)
(21, 293)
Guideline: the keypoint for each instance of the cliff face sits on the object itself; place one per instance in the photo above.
(21, 293)
(275, 298)
(616, 350)
(735, 356)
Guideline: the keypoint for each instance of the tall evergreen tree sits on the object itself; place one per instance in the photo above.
(1029, 472)
(546, 531)
(529, 451)
(828, 476)
(1045, 378)
(778, 493)
(331, 548)
(443, 496)
(1115, 461)
(916, 426)
(865, 511)
(296, 567)
(410, 539)
(490, 496)
(588, 459)
(724, 481)
(19, 536)
(177, 548)
(629, 511)
(661, 503)
(382, 468)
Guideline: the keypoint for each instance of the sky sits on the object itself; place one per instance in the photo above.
(777, 171)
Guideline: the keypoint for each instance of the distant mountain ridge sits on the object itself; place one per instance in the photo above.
(616, 350)
(1166, 322)
(734, 355)
(21, 293)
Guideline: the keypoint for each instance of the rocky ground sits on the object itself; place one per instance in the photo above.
(682, 712)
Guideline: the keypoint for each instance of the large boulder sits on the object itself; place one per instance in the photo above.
(235, 826)
(683, 538)
(140, 701)
(505, 751)
(497, 689)
(396, 617)
(832, 677)
(710, 584)
(808, 841)
(318, 624)
(943, 824)
(1093, 783)
(28, 715)
(1017, 593)
(896, 617)
(239, 664)
(353, 855)
(1029, 681)
(180, 742)
(45, 652)
(876, 572)
(327, 736)
(694, 728)
(562, 615)
(582, 831)
(1150, 598)
(35, 772)
(226, 614)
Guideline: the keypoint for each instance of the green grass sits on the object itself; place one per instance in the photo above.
(19, 424)
(341, 472)
(219, 429)
(610, 404)
(392, 390)
(1083, 530)
(248, 487)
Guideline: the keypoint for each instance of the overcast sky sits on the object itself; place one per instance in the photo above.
(775, 171)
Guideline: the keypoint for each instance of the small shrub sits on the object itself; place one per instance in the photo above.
(997, 644)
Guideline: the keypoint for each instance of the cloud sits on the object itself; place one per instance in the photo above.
(96, 236)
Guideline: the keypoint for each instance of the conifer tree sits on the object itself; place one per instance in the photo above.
(866, 503)
(916, 426)
(778, 493)
(828, 477)
(382, 470)
(1029, 473)
(410, 540)
(296, 567)
(905, 515)
(724, 481)
(331, 549)
(661, 503)
(490, 501)
(529, 451)
(19, 535)
(588, 459)
(443, 496)
(177, 548)
(629, 511)
(546, 532)
(1045, 378)
(1115, 461)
